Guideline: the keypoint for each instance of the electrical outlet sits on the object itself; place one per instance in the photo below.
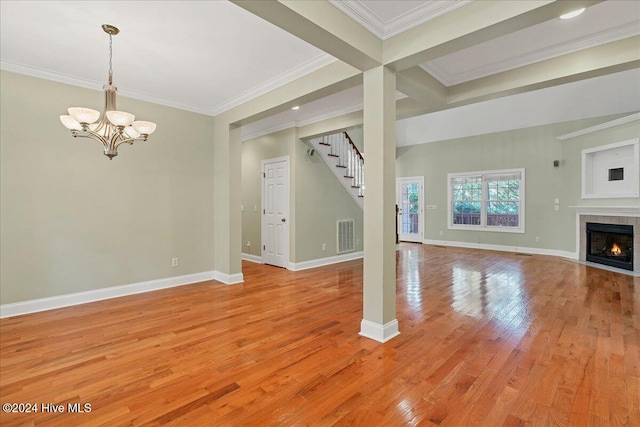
(174, 262)
(441, 232)
(556, 208)
(324, 246)
(537, 239)
(556, 200)
(249, 243)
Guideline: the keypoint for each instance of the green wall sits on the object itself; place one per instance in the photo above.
(72, 220)
(572, 162)
(534, 149)
(321, 200)
(317, 198)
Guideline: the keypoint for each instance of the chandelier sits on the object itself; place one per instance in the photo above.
(115, 127)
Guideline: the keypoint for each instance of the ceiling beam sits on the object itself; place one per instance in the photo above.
(323, 26)
(421, 86)
(333, 78)
(331, 125)
(469, 25)
(596, 61)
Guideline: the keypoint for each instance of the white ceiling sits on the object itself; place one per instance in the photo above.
(208, 56)
(203, 56)
(602, 23)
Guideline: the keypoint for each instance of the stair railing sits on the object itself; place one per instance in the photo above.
(355, 164)
(340, 147)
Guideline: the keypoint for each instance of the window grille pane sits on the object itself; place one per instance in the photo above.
(467, 200)
(503, 214)
(503, 190)
(489, 199)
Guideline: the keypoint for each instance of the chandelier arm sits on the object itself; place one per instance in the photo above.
(119, 138)
(91, 135)
(129, 141)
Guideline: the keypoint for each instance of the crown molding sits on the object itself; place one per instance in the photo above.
(93, 85)
(601, 126)
(15, 67)
(420, 15)
(607, 36)
(295, 73)
(360, 13)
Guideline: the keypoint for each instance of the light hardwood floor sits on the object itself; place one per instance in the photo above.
(487, 338)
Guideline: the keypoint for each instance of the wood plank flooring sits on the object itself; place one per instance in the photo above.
(487, 339)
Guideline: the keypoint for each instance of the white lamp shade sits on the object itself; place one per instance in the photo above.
(120, 118)
(146, 128)
(131, 132)
(84, 115)
(70, 123)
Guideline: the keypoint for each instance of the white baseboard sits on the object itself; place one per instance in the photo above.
(378, 332)
(325, 261)
(504, 248)
(252, 258)
(228, 279)
(50, 303)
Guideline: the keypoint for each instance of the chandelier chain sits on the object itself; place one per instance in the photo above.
(110, 59)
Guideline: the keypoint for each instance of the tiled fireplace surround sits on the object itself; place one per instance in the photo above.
(609, 215)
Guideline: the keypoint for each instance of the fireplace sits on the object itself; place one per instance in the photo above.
(610, 244)
(610, 215)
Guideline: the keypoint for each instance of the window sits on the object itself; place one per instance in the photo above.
(487, 201)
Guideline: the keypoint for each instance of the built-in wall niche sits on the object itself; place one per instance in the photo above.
(611, 171)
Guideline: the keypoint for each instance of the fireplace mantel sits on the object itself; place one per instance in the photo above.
(607, 210)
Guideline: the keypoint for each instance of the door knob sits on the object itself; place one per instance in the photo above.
(283, 220)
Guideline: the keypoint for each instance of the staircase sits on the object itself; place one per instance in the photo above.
(345, 160)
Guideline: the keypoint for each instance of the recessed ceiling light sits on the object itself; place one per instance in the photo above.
(572, 14)
(297, 107)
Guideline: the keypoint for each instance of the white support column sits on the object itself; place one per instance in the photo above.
(379, 299)
(227, 201)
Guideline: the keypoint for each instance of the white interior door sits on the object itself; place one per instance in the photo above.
(410, 196)
(275, 212)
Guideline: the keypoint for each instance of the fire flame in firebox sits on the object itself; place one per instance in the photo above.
(615, 249)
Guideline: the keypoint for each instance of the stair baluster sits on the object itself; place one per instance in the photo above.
(347, 158)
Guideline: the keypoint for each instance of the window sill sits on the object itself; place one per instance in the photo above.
(519, 230)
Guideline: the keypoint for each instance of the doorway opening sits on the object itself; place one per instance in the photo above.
(410, 197)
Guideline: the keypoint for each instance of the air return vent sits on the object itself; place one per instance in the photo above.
(345, 235)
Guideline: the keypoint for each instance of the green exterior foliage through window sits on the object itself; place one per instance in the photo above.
(487, 200)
